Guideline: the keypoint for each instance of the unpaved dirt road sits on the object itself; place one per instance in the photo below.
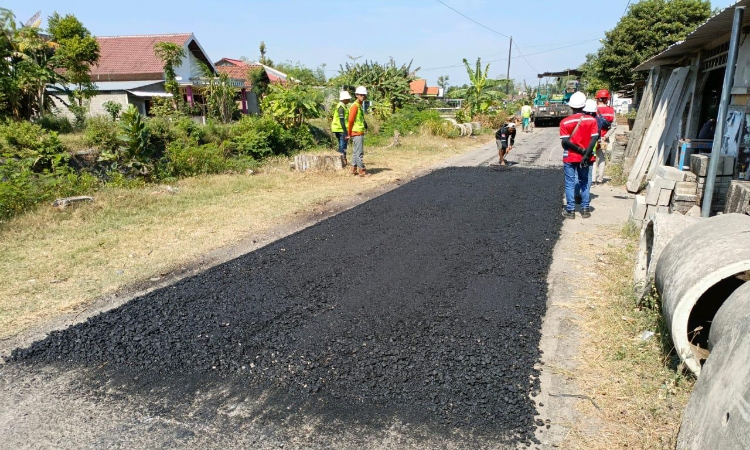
(411, 321)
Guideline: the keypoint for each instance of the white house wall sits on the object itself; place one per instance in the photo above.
(190, 67)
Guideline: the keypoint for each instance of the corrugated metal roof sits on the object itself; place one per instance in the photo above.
(713, 29)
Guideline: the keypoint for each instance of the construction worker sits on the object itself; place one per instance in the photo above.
(356, 128)
(526, 112)
(579, 134)
(339, 122)
(505, 138)
(606, 117)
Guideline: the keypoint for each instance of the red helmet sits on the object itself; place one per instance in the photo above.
(602, 93)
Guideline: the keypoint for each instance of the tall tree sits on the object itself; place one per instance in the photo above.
(171, 56)
(442, 81)
(649, 27)
(76, 51)
(263, 58)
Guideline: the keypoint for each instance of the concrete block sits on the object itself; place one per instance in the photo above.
(670, 173)
(655, 187)
(684, 198)
(650, 210)
(726, 165)
(691, 177)
(662, 209)
(664, 197)
(638, 211)
(695, 211)
(699, 164)
(738, 197)
(686, 188)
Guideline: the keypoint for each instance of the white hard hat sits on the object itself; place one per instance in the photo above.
(512, 125)
(577, 100)
(344, 95)
(590, 106)
(361, 90)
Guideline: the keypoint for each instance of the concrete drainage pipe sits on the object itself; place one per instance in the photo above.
(697, 271)
(718, 413)
(658, 230)
(735, 309)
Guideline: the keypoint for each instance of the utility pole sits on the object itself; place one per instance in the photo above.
(507, 77)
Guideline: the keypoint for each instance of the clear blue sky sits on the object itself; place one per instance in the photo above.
(326, 31)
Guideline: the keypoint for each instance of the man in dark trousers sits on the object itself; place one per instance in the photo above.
(505, 137)
(338, 124)
(579, 134)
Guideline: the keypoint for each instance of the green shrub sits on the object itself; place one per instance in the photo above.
(297, 138)
(160, 134)
(21, 188)
(218, 133)
(189, 159)
(186, 127)
(51, 122)
(113, 109)
(102, 133)
(257, 137)
(24, 140)
(440, 127)
(408, 120)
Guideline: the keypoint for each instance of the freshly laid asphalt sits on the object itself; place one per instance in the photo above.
(424, 304)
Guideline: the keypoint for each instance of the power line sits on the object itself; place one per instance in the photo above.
(524, 58)
(626, 10)
(469, 18)
(505, 59)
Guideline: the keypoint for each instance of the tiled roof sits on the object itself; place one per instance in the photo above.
(132, 57)
(234, 62)
(418, 87)
(236, 72)
(432, 90)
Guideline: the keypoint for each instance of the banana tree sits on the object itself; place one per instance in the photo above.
(484, 91)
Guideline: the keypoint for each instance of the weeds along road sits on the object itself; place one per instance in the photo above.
(411, 321)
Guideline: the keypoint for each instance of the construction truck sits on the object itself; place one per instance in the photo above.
(551, 100)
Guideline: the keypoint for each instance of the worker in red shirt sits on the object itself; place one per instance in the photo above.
(607, 124)
(579, 134)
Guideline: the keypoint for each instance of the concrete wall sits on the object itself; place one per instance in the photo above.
(96, 104)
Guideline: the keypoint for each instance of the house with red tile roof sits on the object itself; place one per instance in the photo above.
(130, 73)
(419, 88)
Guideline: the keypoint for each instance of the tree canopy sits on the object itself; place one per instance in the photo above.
(31, 61)
(648, 27)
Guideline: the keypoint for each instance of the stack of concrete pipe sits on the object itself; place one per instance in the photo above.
(701, 277)
(466, 129)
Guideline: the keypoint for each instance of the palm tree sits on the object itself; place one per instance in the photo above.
(483, 91)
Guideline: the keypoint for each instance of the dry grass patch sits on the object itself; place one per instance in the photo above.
(55, 261)
(634, 381)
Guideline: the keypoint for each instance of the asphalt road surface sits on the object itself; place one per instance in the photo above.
(412, 320)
